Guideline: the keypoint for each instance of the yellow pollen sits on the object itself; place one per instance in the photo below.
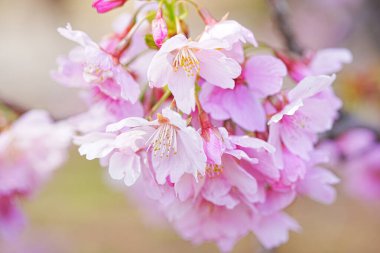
(187, 60)
(164, 141)
(213, 170)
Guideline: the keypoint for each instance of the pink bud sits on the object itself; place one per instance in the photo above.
(103, 6)
(159, 29)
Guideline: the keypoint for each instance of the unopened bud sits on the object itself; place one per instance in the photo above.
(103, 6)
(159, 29)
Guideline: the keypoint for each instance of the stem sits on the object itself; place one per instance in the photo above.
(178, 25)
(160, 102)
(124, 43)
(134, 58)
(281, 13)
(198, 103)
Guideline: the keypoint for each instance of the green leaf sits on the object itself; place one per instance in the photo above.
(150, 42)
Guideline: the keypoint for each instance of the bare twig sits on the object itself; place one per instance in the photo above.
(15, 108)
(281, 15)
(345, 123)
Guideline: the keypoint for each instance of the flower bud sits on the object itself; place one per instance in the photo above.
(103, 6)
(159, 28)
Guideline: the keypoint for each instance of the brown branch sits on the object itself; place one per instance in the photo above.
(346, 122)
(15, 108)
(281, 15)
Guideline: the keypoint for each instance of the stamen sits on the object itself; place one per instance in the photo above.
(213, 170)
(187, 60)
(164, 140)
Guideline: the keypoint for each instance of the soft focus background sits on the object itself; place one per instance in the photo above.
(78, 211)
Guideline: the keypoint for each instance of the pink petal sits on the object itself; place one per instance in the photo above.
(183, 88)
(296, 140)
(77, 36)
(217, 190)
(130, 89)
(329, 61)
(159, 70)
(275, 140)
(95, 145)
(239, 178)
(176, 42)
(244, 108)
(128, 122)
(217, 69)
(318, 185)
(250, 142)
(212, 99)
(125, 165)
(273, 230)
(264, 74)
(11, 219)
(310, 86)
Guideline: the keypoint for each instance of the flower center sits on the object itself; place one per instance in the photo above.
(213, 170)
(94, 74)
(187, 60)
(164, 140)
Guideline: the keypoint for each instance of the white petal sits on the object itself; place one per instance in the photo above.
(183, 89)
(128, 122)
(310, 86)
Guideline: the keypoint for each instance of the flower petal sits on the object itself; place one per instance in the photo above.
(217, 69)
(183, 88)
(264, 74)
(244, 108)
(310, 86)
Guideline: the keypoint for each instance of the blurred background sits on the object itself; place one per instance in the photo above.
(78, 211)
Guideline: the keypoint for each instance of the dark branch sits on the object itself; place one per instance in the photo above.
(281, 15)
(15, 108)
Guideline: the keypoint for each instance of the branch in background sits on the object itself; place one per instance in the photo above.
(281, 15)
(346, 122)
(16, 109)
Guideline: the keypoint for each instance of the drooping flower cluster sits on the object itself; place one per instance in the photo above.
(356, 153)
(31, 149)
(204, 126)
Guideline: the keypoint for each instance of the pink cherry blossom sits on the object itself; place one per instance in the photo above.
(234, 34)
(355, 142)
(11, 218)
(280, 222)
(173, 148)
(302, 116)
(224, 198)
(99, 68)
(30, 151)
(318, 182)
(179, 61)
(263, 76)
(323, 62)
(239, 104)
(362, 174)
(234, 148)
(103, 6)
(358, 151)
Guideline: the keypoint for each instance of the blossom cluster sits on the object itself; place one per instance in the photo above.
(31, 149)
(220, 134)
(356, 153)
